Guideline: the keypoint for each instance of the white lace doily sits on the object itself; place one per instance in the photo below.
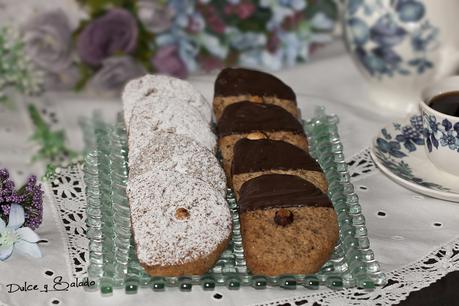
(68, 191)
(69, 197)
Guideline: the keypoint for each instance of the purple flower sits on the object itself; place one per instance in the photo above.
(115, 73)
(31, 181)
(155, 17)
(7, 186)
(168, 61)
(48, 41)
(114, 32)
(210, 63)
(32, 201)
(214, 21)
(6, 209)
(29, 196)
(4, 174)
(242, 10)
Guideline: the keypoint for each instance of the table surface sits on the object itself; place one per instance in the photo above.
(403, 236)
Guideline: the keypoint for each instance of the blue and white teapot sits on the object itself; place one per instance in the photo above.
(401, 46)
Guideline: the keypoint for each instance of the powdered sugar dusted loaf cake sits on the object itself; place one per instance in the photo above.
(163, 86)
(169, 151)
(176, 188)
(156, 113)
(181, 224)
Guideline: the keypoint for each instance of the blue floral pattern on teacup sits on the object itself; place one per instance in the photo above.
(408, 136)
(394, 146)
(377, 30)
(440, 134)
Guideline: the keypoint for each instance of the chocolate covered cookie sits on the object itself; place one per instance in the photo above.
(238, 84)
(288, 225)
(253, 158)
(261, 120)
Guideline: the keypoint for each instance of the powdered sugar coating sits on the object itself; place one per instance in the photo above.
(165, 87)
(160, 114)
(168, 151)
(161, 238)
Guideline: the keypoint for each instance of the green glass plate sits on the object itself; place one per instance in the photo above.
(112, 260)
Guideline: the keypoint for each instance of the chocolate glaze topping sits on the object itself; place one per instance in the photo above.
(280, 190)
(246, 117)
(267, 154)
(239, 81)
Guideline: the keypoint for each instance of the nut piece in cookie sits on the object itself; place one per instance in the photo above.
(238, 84)
(288, 225)
(239, 120)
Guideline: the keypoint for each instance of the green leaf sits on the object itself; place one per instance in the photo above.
(86, 73)
(144, 50)
(52, 148)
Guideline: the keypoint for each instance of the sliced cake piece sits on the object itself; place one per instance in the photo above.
(180, 224)
(288, 225)
(169, 151)
(165, 87)
(168, 115)
(261, 120)
(253, 158)
(238, 84)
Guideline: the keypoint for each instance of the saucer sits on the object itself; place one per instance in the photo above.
(398, 150)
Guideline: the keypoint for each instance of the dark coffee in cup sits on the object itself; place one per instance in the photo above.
(446, 103)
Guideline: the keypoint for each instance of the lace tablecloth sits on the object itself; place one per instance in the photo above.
(415, 238)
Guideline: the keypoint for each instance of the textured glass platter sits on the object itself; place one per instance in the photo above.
(112, 260)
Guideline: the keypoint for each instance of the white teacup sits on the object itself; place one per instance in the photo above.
(441, 131)
(402, 46)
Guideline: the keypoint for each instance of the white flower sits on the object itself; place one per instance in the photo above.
(188, 48)
(250, 59)
(272, 61)
(188, 51)
(213, 45)
(246, 40)
(13, 236)
(280, 9)
(320, 21)
(155, 16)
(298, 5)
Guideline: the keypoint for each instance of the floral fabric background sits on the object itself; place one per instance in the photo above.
(108, 42)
